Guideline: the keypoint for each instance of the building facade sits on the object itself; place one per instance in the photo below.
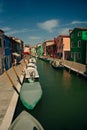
(17, 49)
(78, 41)
(2, 52)
(63, 47)
(7, 44)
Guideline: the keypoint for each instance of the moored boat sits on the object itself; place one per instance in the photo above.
(25, 121)
(30, 94)
(31, 73)
(31, 65)
(32, 60)
(57, 65)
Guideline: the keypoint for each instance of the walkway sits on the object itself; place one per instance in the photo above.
(74, 66)
(8, 96)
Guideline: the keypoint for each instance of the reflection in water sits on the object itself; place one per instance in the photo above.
(66, 79)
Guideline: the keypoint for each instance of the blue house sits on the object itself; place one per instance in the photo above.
(7, 45)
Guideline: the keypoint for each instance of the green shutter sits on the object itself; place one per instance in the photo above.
(84, 35)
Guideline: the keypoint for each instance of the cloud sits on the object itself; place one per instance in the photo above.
(79, 22)
(64, 31)
(6, 28)
(49, 25)
(11, 32)
(34, 38)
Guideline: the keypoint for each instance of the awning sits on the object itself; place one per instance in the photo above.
(16, 54)
(26, 52)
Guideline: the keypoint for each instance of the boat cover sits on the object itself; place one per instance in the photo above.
(32, 65)
(32, 60)
(30, 94)
(31, 72)
(25, 121)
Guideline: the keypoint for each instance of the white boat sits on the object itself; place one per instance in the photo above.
(32, 60)
(57, 65)
(25, 121)
(31, 73)
(31, 65)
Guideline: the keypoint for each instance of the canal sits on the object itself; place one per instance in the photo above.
(64, 102)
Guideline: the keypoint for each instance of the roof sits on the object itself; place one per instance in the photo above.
(63, 36)
(81, 28)
(49, 41)
(1, 31)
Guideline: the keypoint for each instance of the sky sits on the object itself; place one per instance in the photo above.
(34, 21)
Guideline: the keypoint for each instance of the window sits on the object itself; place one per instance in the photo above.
(79, 43)
(72, 35)
(79, 55)
(72, 44)
(4, 44)
(61, 39)
(72, 55)
(79, 34)
(0, 42)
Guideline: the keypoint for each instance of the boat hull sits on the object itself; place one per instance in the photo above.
(57, 65)
(25, 121)
(30, 94)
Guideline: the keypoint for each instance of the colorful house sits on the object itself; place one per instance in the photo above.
(7, 44)
(39, 49)
(2, 51)
(27, 50)
(16, 49)
(63, 47)
(78, 45)
(44, 48)
(50, 48)
(33, 51)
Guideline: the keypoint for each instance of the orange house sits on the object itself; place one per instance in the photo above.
(63, 47)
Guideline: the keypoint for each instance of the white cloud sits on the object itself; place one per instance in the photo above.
(16, 31)
(79, 22)
(6, 28)
(49, 25)
(34, 38)
(64, 31)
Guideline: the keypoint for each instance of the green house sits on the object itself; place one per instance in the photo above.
(39, 49)
(78, 43)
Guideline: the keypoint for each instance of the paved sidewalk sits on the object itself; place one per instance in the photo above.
(7, 92)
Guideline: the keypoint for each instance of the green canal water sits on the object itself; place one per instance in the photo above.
(64, 102)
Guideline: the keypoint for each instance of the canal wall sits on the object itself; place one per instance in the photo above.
(8, 96)
(74, 66)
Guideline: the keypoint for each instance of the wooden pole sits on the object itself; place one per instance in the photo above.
(13, 85)
(16, 74)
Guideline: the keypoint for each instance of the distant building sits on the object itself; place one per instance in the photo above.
(33, 50)
(63, 47)
(44, 48)
(49, 48)
(78, 45)
(27, 50)
(39, 49)
(17, 49)
(7, 45)
(2, 51)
